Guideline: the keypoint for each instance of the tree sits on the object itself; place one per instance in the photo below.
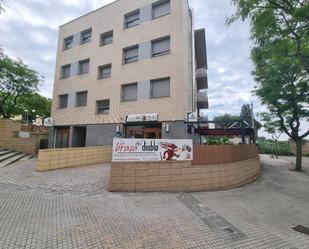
(1, 6)
(225, 121)
(33, 106)
(284, 23)
(272, 126)
(280, 31)
(16, 80)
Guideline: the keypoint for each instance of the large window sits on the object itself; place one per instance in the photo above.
(103, 106)
(68, 43)
(86, 36)
(63, 101)
(130, 54)
(129, 92)
(132, 19)
(106, 38)
(160, 88)
(83, 66)
(65, 71)
(81, 98)
(161, 46)
(161, 8)
(105, 71)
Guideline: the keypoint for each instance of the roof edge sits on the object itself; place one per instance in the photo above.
(89, 13)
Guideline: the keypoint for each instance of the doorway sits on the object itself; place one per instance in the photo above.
(152, 133)
(62, 137)
(146, 131)
(79, 137)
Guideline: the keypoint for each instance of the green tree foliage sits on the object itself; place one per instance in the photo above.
(33, 106)
(1, 6)
(281, 24)
(271, 125)
(17, 80)
(220, 140)
(280, 31)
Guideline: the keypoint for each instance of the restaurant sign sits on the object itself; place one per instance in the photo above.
(142, 118)
(152, 149)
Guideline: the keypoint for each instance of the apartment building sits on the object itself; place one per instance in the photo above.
(133, 69)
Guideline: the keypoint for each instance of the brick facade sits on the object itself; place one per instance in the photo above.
(181, 175)
(9, 137)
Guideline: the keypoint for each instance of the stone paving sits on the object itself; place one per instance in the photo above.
(71, 208)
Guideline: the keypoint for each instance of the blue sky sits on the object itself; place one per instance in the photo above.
(29, 31)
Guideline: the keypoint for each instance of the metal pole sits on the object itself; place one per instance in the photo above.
(253, 124)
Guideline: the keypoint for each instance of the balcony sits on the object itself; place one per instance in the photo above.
(202, 100)
(202, 83)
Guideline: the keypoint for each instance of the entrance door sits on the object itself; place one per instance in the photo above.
(152, 133)
(62, 139)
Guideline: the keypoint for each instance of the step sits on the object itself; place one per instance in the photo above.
(12, 160)
(1, 149)
(3, 152)
(7, 156)
(27, 157)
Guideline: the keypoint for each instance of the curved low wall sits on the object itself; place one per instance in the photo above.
(181, 175)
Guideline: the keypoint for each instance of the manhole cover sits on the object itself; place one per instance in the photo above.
(301, 229)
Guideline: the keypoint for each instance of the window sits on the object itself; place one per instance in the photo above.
(105, 71)
(130, 54)
(86, 36)
(81, 98)
(129, 92)
(65, 71)
(107, 38)
(161, 8)
(132, 19)
(68, 43)
(161, 46)
(160, 88)
(103, 106)
(83, 66)
(63, 101)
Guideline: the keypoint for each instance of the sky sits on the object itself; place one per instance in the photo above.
(29, 30)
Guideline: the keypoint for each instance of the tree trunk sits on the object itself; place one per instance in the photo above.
(299, 152)
(276, 143)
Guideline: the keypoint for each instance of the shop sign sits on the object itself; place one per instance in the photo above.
(142, 118)
(152, 149)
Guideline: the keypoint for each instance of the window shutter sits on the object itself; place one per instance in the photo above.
(81, 99)
(161, 46)
(160, 88)
(161, 9)
(106, 72)
(133, 52)
(63, 101)
(130, 92)
(84, 67)
(132, 19)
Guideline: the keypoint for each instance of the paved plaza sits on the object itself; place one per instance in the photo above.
(71, 208)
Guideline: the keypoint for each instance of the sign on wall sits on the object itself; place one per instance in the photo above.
(142, 118)
(152, 149)
(48, 122)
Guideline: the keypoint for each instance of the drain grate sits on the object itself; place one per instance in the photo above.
(301, 229)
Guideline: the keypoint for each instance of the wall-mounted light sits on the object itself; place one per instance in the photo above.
(167, 128)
